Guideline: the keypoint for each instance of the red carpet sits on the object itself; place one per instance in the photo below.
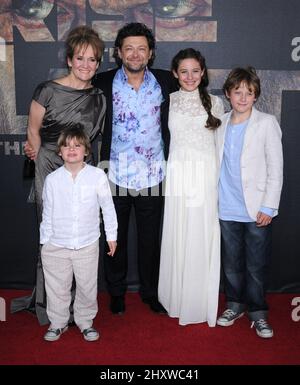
(141, 337)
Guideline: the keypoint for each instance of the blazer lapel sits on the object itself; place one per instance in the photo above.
(250, 129)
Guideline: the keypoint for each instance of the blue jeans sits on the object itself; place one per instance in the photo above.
(245, 256)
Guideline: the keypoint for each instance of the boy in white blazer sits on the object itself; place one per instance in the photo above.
(250, 183)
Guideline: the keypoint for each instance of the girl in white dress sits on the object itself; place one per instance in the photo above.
(190, 251)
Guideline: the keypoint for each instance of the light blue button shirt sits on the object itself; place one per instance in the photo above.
(137, 157)
(232, 205)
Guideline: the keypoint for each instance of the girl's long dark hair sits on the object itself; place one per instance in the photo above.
(190, 53)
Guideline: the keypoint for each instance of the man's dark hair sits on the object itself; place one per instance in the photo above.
(134, 29)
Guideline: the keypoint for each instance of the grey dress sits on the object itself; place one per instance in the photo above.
(64, 107)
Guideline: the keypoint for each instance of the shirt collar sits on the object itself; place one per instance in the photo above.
(124, 77)
(79, 172)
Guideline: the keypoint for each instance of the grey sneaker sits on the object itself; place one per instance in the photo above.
(54, 334)
(90, 334)
(228, 317)
(263, 329)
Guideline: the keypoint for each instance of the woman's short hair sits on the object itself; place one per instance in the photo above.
(83, 36)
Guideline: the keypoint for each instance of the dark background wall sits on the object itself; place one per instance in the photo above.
(261, 33)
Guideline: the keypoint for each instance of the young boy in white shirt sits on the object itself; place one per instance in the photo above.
(69, 233)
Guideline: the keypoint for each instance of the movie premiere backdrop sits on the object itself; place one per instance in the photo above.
(261, 33)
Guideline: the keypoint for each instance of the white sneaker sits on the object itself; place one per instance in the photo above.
(263, 329)
(54, 334)
(90, 334)
(228, 317)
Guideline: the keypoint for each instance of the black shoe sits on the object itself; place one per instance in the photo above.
(154, 305)
(117, 304)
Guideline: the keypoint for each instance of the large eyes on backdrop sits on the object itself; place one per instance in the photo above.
(32, 9)
(190, 19)
(177, 8)
(27, 16)
(186, 17)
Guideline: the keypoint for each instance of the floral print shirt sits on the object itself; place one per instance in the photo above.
(137, 158)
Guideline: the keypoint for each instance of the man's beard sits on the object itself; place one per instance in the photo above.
(135, 70)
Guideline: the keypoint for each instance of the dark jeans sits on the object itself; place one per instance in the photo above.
(245, 256)
(148, 211)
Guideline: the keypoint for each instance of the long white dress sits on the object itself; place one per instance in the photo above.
(190, 252)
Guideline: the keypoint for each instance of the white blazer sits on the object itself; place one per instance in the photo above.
(261, 160)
